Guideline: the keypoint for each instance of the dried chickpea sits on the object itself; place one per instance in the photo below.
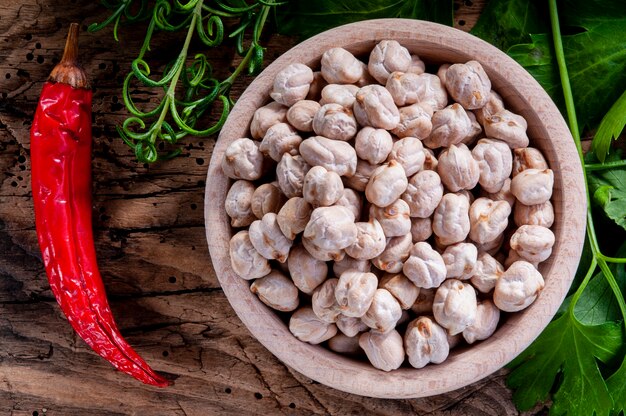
(370, 241)
(324, 303)
(383, 350)
(300, 115)
(450, 125)
(331, 228)
(306, 271)
(245, 260)
(268, 239)
(388, 56)
(322, 188)
(458, 169)
(355, 292)
(387, 183)
(293, 217)
(292, 84)
(238, 204)
(331, 154)
(415, 121)
(335, 121)
(265, 117)
(266, 198)
(307, 327)
(279, 139)
(341, 67)
(290, 173)
(397, 251)
(276, 291)
(425, 342)
(344, 95)
(374, 107)
(468, 84)
(351, 200)
(373, 145)
(455, 306)
(383, 313)
(451, 221)
(243, 160)
(423, 193)
(408, 152)
(401, 288)
(394, 219)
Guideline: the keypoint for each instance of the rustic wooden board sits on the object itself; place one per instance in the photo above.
(153, 255)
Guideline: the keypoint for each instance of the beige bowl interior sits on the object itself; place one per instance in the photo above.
(522, 94)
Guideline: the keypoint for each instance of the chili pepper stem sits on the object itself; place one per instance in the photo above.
(68, 71)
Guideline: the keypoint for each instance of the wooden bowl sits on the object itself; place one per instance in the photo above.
(434, 43)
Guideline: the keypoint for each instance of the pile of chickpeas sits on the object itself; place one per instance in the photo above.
(392, 211)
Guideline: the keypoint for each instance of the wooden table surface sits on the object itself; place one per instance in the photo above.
(153, 256)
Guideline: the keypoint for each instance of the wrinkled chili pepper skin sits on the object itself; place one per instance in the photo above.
(61, 184)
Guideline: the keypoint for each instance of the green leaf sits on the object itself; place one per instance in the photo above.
(570, 349)
(617, 387)
(306, 18)
(595, 51)
(610, 128)
(507, 23)
(608, 188)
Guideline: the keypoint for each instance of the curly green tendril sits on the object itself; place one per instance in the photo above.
(176, 117)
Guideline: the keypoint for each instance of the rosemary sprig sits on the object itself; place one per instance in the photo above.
(176, 117)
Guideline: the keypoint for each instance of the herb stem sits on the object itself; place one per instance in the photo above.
(171, 90)
(598, 258)
(614, 260)
(592, 167)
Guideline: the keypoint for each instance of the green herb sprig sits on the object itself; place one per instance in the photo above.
(176, 116)
(569, 346)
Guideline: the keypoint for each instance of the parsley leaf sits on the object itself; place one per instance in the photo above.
(608, 188)
(507, 23)
(595, 51)
(569, 347)
(308, 18)
(610, 128)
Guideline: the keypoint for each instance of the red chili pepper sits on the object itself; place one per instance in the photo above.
(61, 182)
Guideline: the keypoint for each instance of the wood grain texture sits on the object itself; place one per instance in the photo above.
(152, 249)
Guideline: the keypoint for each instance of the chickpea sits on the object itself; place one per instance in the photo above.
(475, 130)
(468, 84)
(533, 242)
(265, 117)
(335, 122)
(324, 303)
(351, 200)
(306, 271)
(331, 228)
(290, 173)
(425, 342)
(423, 193)
(245, 260)
(417, 65)
(397, 251)
(344, 95)
(238, 204)
(293, 217)
(316, 87)
(494, 105)
(508, 127)
(276, 291)
(322, 254)
(350, 263)
(450, 125)
(292, 84)
(307, 327)
(322, 188)
(300, 115)
(487, 317)
(266, 198)
(268, 240)
(486, 273)
(488, 219)
(401, 288)
(341, 67)
(387, 57)
(383, 313)
(415, 121)
(441, 72)
(504, 194)
(383, 350)
(451, 221)
(528, 158)
(430, 161)
(494, 163)
(421, 229)
(355, 292)
(540, 214)
(350, 326)
(424, 302)
(457, 168)
(387, 183)
(243, 160)
(518, 287)
(331, 154)
(460, 260)
(394, 219)
(408, 152)
(279, 139)
(533, 186)
(455, 306)
(411, 88)
(425, 267)
(373, 145)
(344, 344)
(374, 107)
(361, 176)
(370, 241)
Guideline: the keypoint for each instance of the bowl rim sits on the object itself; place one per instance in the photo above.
(461, 369)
